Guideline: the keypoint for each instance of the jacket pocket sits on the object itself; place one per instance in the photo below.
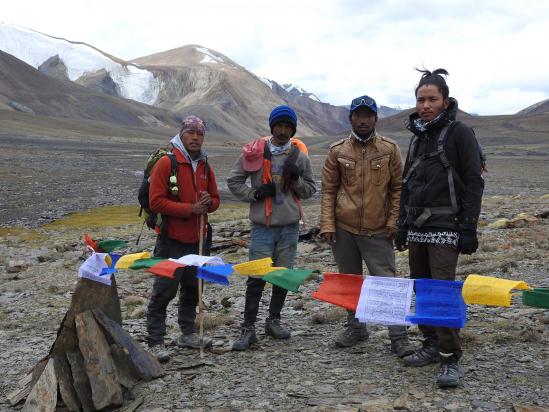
(379, 168)
(348, 170)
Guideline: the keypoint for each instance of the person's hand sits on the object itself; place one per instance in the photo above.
(292, 171)
(468, 242)
(266, 189)
(390, 233)
(329, 237)
(400, 239)
(199, 208)
(205, 198)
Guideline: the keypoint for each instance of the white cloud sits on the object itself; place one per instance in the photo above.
(493, 50)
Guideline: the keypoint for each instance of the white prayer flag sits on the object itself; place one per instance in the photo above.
(385, 300)
(198, 260)
(93, 266)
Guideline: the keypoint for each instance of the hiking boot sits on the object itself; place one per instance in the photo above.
(160, 352)
(192, 341)
(351, 335)
(275, 329)
(247, 337)
(448, 373)
(402, 347)
(426, 355)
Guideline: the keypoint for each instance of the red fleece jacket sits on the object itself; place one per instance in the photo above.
(183, 226)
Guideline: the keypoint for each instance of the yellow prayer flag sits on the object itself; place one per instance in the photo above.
(258, 267)
(127, 260)
(487, 290)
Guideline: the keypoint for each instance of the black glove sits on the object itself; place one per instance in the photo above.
(468, 242)
(266, 189)
(292, 171)
(400, 238)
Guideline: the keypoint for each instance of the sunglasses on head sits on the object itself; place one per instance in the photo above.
(363, 101)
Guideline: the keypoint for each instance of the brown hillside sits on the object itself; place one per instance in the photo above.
(23, 88)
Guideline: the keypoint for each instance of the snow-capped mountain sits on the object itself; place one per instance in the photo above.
(187, 80)
(78, 61)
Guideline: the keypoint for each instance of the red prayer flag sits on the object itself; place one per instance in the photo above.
(340, 289)
(166, 268)
(93, 244)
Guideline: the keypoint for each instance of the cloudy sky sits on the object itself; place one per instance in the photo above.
(338, 49)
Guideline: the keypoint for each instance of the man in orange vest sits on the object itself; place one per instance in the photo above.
(280, 175)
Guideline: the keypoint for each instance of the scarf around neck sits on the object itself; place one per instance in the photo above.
(278, 150)
(422, 126)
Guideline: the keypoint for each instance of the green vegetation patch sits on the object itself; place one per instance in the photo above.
(107, 216)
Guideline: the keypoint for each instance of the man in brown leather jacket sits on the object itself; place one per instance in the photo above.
(361, 183)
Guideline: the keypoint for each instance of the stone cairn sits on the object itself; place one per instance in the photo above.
(93, 363)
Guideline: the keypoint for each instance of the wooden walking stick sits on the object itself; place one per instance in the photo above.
(200, 285)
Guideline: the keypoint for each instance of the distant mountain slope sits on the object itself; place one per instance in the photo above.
(25, 89)
(76, 61)
(537, 108)
(196, 76)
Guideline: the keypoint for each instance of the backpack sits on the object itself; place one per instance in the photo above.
(452, 175)
(152, 219)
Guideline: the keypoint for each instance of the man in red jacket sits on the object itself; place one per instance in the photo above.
(182, 201)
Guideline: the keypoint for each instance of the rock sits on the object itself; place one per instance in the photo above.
(138, 313)
(521, 220)
(485, 406)
(16, 266)
(529, 408)
(499, 224)
(401, 403)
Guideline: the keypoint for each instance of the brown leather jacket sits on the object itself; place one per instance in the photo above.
(361, 186)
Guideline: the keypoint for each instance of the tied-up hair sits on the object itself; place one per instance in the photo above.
(435, 78)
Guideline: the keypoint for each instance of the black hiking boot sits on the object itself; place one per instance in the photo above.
(426, 355)
(275, 329)
(448, 373)
(247, 337)
(402, 347)
(351, 335)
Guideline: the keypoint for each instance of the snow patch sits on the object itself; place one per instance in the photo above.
(35, 48)
(267, 82)
(209, 57)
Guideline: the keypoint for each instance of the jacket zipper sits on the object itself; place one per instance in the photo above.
(362, 171)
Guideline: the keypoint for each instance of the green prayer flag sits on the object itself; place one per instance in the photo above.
(145, 263)
(537, 297)
(290, 279)
(112, 244)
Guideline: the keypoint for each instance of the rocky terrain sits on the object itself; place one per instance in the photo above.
(505, 365)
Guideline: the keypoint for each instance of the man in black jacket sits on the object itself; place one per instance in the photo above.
(439, 207)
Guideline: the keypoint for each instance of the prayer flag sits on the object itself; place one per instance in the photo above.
(146, 263)
(487, 290)
(90, 243)
(537, 297)
(289, 279)
(166, 268)
(439, 303)
(340, 289)
(93, 266)
(217, 273)
(111, 260)
(126, 261)
(111, 244)
(385, 300)
(257, 267)
(199, 260)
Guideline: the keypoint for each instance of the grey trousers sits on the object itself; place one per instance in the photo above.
(376, 251)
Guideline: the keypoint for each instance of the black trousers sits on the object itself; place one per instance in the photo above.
(254, 290)
(433, 261)
(165, 289)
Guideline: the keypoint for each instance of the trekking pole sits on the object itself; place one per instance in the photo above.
(200, 285)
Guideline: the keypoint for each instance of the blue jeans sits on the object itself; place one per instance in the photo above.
(279, 243)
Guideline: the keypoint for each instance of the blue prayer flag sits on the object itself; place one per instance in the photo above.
(439, 303)
(111, 269)
(217, 274)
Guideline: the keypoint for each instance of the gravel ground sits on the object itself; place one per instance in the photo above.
(506, 349)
